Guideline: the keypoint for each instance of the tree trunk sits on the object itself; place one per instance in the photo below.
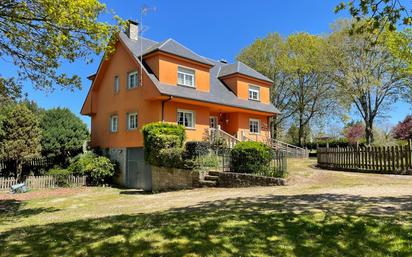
(369, 132)
(19, 170)
(301, 133)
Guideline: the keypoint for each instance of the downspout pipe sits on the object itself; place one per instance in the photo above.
(163, 107)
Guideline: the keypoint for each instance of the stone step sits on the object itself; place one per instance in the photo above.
(207, 183)
(214, 173)
(211, 178)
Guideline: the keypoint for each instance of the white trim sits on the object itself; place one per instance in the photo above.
(258, 126)
(184, 112)
(128, 79)
(112, 123)
(128, 120)
(254, 89)
(186, 74)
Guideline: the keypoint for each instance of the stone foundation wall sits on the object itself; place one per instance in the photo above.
(118, 155)
(164, 179)
(232, 179)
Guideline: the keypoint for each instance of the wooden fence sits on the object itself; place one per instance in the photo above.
(391, 159)
(38, 182)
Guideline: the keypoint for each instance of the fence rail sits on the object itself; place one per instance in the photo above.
(39, 182)
(391, 159)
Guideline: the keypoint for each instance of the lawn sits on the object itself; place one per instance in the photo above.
(320, 213)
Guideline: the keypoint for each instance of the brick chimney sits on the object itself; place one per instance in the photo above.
(132, 29)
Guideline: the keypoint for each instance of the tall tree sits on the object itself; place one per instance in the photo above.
(312, 94)
(368, 75)
(301, 87)
(63, 133)
(36, 35)
(20, 137)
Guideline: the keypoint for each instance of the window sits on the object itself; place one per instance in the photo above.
(185, 77)
(131, 121)
(254, 126)
(116, 84)
(254, 93)
(185, 118)
(132, 80)
(114, 123)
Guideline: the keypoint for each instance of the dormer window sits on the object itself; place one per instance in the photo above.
(254, 93)
(185, 77)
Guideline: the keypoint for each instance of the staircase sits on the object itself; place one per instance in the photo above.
(210, 179)
(291, 151)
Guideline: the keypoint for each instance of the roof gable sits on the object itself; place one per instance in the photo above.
(241, 68)
(173, 47)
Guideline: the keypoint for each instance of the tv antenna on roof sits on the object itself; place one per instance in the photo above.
(144, 9)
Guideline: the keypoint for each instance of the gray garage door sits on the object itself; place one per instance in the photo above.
(137, 172)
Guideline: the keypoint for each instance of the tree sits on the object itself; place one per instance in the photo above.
(21, 135)
(63, 133)
(403, 130)
(36, 35)
(377, 13)
(368, 76)
(302, 87)
(354, 132)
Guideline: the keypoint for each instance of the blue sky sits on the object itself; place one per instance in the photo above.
(216, 29)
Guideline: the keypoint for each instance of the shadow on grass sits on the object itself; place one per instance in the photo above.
(302, 225)
(12, 211)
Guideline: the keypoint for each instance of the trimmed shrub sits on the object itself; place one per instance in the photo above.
(171, 158)
(98, 169)
(158, 136)
(195, 149)
(251, 157)
(61, 175)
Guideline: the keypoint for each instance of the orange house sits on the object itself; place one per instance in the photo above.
(146, 81)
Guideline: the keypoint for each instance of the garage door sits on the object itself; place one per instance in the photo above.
(137, 172)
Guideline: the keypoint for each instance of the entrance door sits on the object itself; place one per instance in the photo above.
(137, 172)
(213, 122)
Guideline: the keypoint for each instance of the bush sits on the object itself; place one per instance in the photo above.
(98, 169)
(171, 158)
(251, 157)
(195, 149)
(158, 136)
(61, 175)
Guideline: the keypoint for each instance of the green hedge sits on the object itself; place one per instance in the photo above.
(162, 143)
(98, 169)
(196, 149)
(251, 157)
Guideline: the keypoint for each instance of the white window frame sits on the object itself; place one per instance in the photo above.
(180, 70)
(213, 119)
(132, 73)
(116, 84)
(129, 115)
(186, 112)
(112, 123)
(254, 89)
(258, 126)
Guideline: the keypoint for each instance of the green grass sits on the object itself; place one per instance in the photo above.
(279, 221)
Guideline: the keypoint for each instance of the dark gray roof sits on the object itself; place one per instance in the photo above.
(219, 93)
(241, 68)
(173, 47)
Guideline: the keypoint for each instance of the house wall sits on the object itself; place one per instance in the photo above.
(201, 115)
(240, 86)
(165, 68)
(109, 103)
